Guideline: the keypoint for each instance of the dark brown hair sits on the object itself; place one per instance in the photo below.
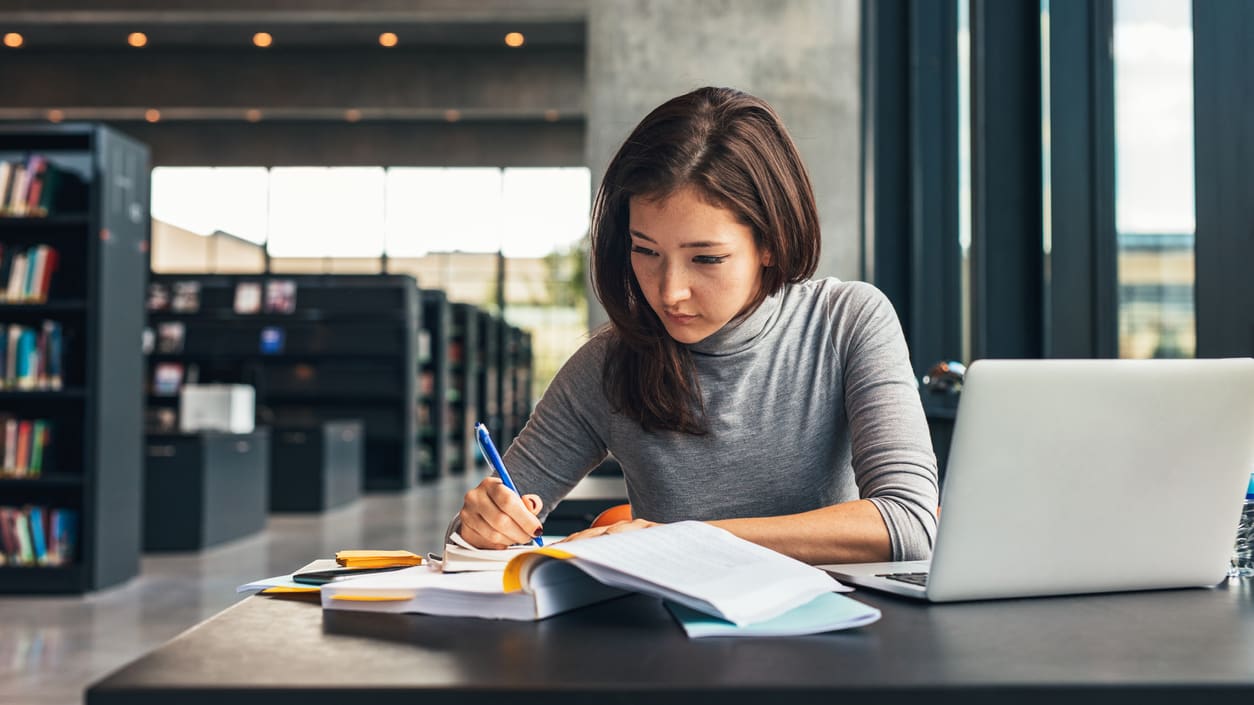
(734, 150)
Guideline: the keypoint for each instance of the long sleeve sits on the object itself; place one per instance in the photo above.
(893, 462)
(565, 436)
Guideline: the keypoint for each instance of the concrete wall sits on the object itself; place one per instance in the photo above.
(799, 55)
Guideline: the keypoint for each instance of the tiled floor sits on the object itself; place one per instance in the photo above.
(52, 648)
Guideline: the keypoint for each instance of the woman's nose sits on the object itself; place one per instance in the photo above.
(674, 286)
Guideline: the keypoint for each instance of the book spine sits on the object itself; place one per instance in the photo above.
(38, 539)
(10, 444)
(25, 552)
(55, 350)
(65, 523)
(8, 538)
(23, 447)
(38, 433)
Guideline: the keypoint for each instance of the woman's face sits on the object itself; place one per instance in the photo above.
(697, 264)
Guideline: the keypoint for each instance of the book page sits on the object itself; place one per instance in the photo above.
(702, 566)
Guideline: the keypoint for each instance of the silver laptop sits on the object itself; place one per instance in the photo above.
(1079, 476)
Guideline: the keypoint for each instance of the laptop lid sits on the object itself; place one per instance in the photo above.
(1070, 476)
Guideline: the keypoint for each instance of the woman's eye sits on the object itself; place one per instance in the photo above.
(642, 250)
(709, 259)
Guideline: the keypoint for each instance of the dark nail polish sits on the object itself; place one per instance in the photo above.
(539, 532)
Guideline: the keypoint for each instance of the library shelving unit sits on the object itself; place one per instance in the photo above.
(488, 379)
(316, 348)
(433, 385)
(518, 379)
(83, 492)
(463, 392)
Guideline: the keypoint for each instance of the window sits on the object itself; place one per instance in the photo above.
(1154, 204)
(452, 228)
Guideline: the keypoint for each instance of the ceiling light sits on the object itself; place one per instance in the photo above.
(452, 115)
(252, 115)
(55, 115)
(388, 39)
(137, 39)
(514, 39)
(13, 40)
(152, 115)
(263, 39)
(352, 114)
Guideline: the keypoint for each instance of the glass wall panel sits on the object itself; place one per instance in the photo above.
(1154, 211)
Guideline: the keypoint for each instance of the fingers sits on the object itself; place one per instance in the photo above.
(533, 503)
(493, 516)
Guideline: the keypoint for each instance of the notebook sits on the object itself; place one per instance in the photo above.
(690, 563)
(1083, 476)
(459, 556)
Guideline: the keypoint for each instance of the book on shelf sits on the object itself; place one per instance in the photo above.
(160, 419)
(273, 340)
(170, 337)
(690, 563)
(185, 297)
(38, 536)
(158, 296)
(24, 445)
(31, 358)
(37, 188)
(167, 378)
(26, 273)
(247, 298)
(281, 296)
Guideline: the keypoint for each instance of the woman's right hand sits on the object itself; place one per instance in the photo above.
(494, 516)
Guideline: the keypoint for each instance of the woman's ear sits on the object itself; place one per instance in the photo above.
(767, 259)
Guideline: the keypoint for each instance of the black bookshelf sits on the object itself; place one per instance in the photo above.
(518, 380)
(433, 385)
(463, 392)
(488, 378)
(98, 224)
(322, 348)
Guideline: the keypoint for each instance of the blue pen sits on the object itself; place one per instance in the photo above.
(489, 451)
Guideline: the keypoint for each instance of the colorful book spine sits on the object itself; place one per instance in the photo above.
(38, 536)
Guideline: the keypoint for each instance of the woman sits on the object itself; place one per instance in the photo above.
(729, 388)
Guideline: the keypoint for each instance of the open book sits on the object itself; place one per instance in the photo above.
(690, 563)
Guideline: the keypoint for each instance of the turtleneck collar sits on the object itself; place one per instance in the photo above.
(741, 333)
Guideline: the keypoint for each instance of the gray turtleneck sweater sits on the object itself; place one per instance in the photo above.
(810, 401)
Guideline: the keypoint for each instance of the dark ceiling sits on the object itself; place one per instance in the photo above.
(53, 25)
(326, 92)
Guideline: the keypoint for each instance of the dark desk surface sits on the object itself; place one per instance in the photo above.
(1160, 647)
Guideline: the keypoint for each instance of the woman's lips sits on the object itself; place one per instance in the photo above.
(680, 318)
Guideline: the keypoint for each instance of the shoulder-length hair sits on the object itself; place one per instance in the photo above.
(734, 150)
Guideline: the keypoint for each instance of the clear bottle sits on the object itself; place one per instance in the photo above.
(1242, 565)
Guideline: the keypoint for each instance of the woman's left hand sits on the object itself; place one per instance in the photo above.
(616, 528)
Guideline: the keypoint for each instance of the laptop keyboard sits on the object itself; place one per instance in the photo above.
(919, 579)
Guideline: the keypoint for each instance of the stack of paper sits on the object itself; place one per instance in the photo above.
(376, 559)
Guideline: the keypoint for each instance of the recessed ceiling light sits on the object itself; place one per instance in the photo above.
(137, 39)
(551, 115)
(152, 115)
(263, 39)
(452, 115)
(388, 39)
(13, 40)
(55, 115)
(252, 115)
(515, 39)
(352, 114)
